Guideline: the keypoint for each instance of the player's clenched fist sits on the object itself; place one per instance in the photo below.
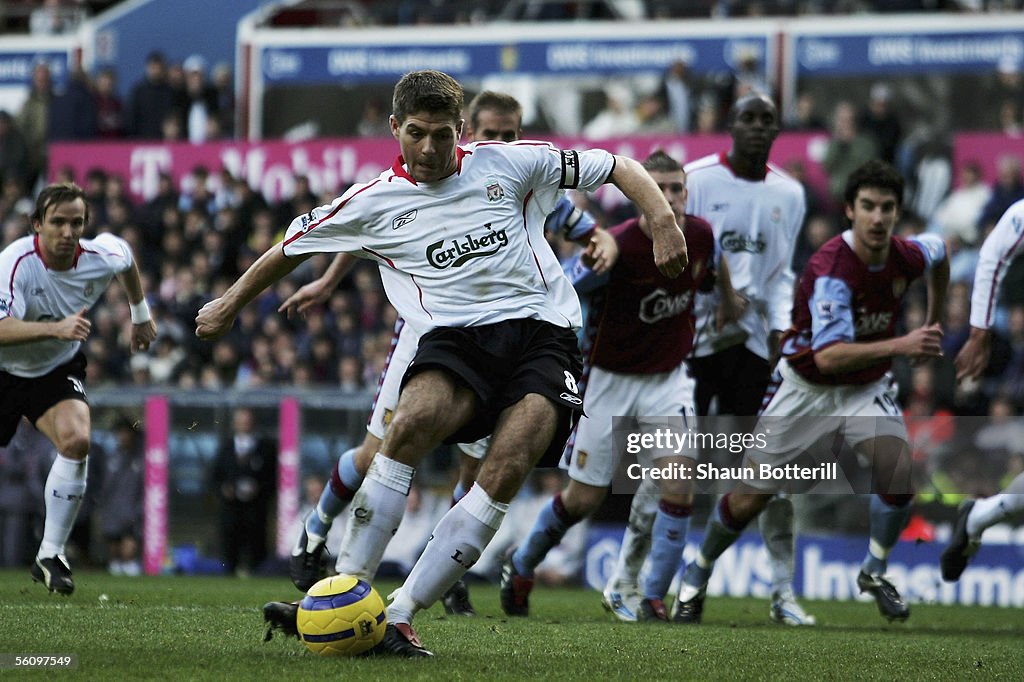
(924, 342)
(74, 327)
(214, 320)
(670, 252)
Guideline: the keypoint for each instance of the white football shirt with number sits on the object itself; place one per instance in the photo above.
(466, 250)
(32, 292)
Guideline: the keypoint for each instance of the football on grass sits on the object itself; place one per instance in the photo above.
(341, 616)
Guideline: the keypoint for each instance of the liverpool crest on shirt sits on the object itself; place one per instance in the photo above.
(494, 190)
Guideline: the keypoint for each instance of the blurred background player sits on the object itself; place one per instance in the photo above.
(837, 357)
(1004, 244)
(48, 281)
(638, 332)
(493, 116)
(757, 211)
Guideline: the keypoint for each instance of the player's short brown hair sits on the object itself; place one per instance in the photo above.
(427, 91)
(58, 193)
(660, 162)
(495, 101)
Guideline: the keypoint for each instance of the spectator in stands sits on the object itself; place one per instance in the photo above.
(879, 120)
(930, 177)
(200, 99)
(817, 230)
(244, 476)
(196, 193)
(804, 115)
(749, 77)
(224, 83)
(109, 108)
(121, 502)
(957, 215)
(652, 119)
(13, 150)
(54, 17)
(618, 116)
(1008, 87)
(24, 465)
(1008, 188)
(171, 127)
(303, 200)
(372, 121)
(34, 120)
(847, 149)
(708, 115)
(679, 95)
(1002, 434)
(151, 101)
(73, 110)
(1010, 119)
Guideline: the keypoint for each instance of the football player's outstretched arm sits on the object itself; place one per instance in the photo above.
(638, 186)
(320, 289)
(216, 317)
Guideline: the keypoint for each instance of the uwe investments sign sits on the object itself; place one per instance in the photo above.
(906, 53)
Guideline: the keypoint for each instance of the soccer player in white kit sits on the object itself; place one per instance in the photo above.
(48, 281)
(835, 379)
(492, 116)
(1000, 248)
(757, 211)
(465, 267)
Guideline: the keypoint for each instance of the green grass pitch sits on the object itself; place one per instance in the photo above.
(183, 628)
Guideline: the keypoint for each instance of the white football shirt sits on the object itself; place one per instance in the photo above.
(31, 292)
(756, 225)
(1004, 243)
(466, 250)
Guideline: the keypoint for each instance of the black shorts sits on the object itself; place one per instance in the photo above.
(736, 376)
(32, 396)
(503, 362)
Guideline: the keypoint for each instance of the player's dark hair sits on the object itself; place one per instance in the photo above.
(876, 174)
(495, 101)
(58, 193)
(427, 92)
(660, 162)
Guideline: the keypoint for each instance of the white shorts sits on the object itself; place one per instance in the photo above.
(402, 352)
(801, 413)
(590, 457)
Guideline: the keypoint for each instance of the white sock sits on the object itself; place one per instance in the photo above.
(65, 488)
(776, 525)
(991, 510)
(459, 538)
(374, 515)
(636, 541)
